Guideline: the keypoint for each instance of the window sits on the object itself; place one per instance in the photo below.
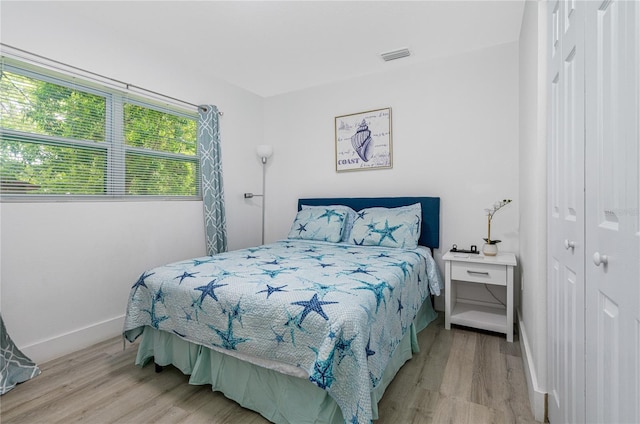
(62, 137)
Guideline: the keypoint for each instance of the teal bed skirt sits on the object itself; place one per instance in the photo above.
(274, 395)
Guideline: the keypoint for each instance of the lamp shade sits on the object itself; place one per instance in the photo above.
(264, 150)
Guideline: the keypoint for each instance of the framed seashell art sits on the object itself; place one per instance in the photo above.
(363, 140)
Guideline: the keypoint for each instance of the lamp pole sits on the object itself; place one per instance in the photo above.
(264, 153)
(264, 192)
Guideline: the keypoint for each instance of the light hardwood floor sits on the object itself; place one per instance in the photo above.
(460, 376)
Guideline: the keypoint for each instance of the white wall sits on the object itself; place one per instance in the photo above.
(533, 310)
(66, 268)
(455, 135)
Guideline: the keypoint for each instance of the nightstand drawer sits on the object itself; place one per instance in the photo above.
(479, 273)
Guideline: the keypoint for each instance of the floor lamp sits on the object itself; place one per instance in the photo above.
(264, 152)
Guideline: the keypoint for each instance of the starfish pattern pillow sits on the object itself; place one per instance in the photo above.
(388, 227)
(323, 224)
(351, 216)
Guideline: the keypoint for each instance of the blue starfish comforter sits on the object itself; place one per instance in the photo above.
(335, 310)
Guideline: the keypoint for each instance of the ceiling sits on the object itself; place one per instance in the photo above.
(274, 47)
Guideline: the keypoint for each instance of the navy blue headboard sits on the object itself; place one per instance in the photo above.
(430, 236)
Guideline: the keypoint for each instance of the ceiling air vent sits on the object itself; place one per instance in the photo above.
(396, 54)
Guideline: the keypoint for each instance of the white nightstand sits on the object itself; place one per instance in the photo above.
(472, 268)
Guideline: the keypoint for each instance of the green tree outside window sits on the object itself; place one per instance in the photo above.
(59, 139)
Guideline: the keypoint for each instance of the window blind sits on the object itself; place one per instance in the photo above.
(64, 137)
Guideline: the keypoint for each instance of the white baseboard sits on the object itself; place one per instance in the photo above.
(537, 397)
(73, 341)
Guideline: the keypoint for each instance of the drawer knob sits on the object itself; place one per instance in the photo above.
(485, 273)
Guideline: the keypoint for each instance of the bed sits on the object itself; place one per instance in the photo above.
(311, 328)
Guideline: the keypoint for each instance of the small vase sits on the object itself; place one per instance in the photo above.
(490, 249)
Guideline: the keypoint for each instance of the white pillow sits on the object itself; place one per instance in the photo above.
(324, 224)
(351, 216)
(389, 227)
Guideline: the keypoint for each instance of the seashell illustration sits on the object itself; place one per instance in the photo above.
(362, 142)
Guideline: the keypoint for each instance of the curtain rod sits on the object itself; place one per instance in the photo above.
(126, 85)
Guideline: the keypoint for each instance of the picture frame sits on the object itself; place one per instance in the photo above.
(363, 141)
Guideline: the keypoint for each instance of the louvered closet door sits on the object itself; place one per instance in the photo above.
(613, 218)
(566, 378)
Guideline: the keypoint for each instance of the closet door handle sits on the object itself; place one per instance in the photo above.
(599, 259)
(569, 244)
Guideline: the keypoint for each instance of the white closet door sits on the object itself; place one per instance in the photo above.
(566, 247)
(612, 217)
